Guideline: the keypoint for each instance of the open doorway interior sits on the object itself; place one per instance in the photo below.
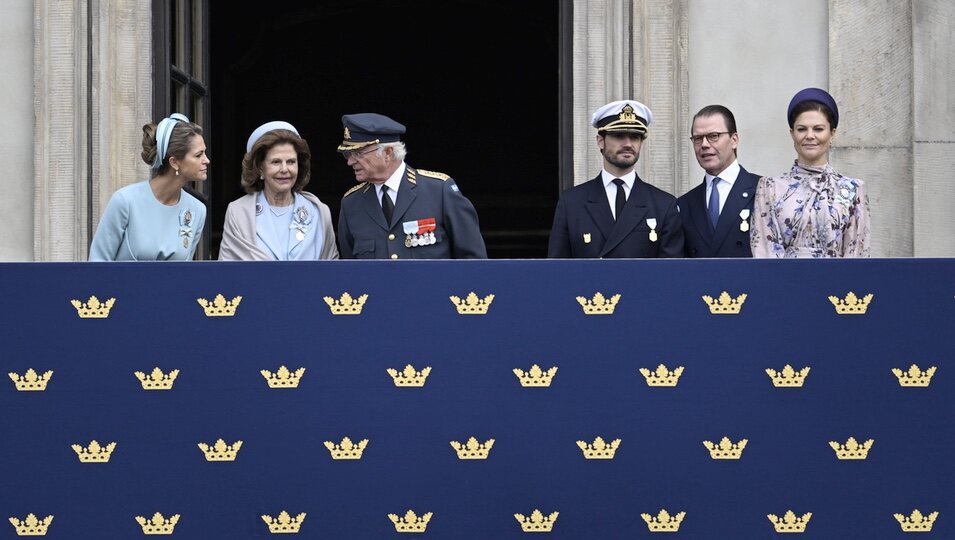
(476, 83)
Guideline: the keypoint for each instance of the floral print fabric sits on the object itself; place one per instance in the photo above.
(810, 212)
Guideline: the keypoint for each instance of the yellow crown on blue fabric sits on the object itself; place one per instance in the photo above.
(31, 525)
(411, 522)
(537, 521)
(366, 129)
(284, 523)
(625, 116)
(663, 521)
(916, 522)
(158, 524)
(790, 522)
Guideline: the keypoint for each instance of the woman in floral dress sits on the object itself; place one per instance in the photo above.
(811, 211)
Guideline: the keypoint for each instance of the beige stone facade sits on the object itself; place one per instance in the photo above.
(890, 64)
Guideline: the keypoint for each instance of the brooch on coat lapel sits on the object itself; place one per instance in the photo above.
(300, 222)
(185, 226)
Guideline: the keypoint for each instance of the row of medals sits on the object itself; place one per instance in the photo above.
(415, 240)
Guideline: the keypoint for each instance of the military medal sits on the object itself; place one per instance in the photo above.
(652, 223)
(419, 232)
(587, 238)
(744, 224)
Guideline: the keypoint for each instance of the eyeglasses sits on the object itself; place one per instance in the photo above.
(357, 154)
(711, 137)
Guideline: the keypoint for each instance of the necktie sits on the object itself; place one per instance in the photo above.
(387, 207)
(713, 209)
(621, 198)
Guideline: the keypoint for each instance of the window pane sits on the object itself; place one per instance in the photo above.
(176, 32)
(197, 112)
(179, 97)
(195, 51)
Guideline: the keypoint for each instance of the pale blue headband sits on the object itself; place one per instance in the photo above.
(265, 128)
(163, 132)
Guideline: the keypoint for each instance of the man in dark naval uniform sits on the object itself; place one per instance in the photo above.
(396, 211)
(617, 214)
(716, 220)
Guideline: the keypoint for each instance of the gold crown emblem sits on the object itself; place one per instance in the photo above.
(346, 449)
(627, 114)
(726, 449)
(31, 526)
(283, 378)
(410, 522)
(599, 449)
(472, 305)
(537, 522)
(535, 377)
(347, 134)
(220, 451)
(408, 377)
(285, 523)
(788, 377)
(346, 305)
(852, 449)
(94, 453)
(916, 522)
(219, 307)
(662, 376)
(158, 524)
(473, 449)
(663, 521)
(790, 523)
(93, 308)
(914, 377)
(30, 381)
(726, 305)
(851, 305)
(598, 305)
(157, 380)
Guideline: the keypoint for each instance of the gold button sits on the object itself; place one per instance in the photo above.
(394, 256)
(391, 237)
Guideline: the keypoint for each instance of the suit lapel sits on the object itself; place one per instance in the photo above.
(698, 214)
(599, 208)
(369, 201)
(406, 196)
(740, 197)
(634, 211)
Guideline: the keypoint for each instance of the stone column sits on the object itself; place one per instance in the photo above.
(934, 146)
(87, 135)
(870, 75)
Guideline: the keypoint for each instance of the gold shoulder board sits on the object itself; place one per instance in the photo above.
(354, 189)
(433, 174)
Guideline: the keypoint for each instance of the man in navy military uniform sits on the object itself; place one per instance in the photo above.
(396, 211)
(617, 214)
(716, 221)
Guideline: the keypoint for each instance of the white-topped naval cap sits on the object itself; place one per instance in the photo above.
(627, 116)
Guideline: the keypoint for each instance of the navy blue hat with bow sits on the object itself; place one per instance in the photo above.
(813, 94)
(366, 129)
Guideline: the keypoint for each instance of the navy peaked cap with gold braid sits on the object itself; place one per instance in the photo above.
(625, 116)
(365, 129)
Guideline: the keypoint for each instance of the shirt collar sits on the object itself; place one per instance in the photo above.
(608, 178)
(394, 180)
(727, 175)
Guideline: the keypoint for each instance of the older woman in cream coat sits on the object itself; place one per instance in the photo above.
(277, 220)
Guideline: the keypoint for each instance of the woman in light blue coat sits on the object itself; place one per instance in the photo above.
(156, 219)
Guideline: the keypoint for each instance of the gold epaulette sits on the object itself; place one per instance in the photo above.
(433, 174)
(354, 189)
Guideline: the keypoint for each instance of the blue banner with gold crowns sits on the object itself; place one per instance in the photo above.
(479, 399)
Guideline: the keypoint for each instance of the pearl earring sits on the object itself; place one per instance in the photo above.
(261, 177)
(177, 172)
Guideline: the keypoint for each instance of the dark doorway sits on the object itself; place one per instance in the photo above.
(476, 82)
